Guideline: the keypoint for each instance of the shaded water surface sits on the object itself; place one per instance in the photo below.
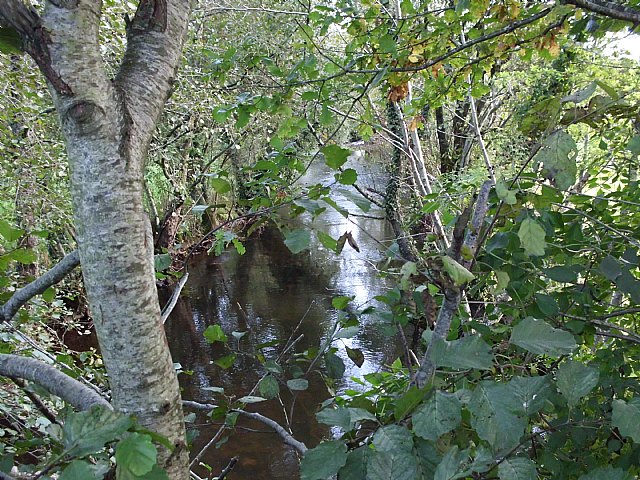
(274, 295)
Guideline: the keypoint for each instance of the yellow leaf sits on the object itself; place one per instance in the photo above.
(415, 58)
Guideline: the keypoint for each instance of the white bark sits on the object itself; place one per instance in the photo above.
(108, 126)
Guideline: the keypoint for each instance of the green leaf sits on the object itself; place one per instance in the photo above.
(226, 361)
(547, 304)
(135, 456)
(634, 145)
(558, 155)
(220, 185)
(457, 272)
(272, 366)
(468, 352)
(9, 41)
(355, 355)
(335, 416)
(539, 337)
(335, 365)
(518, 468)
(626, 416)
(49, 294)
(356, 466)
(504, 194)
(323, 461)
(387, 44)
(607, 473)
(335, 156)
(393, 458)
(575, 380)
(298, 384)
(297, 240)
(451, 466)
(407, 402)
(268, 387)
(348, 332)
(162, 261)
(437, 416)
(561, 274)
(503, 280)
(23, 255)
(79, 470)
(531, 236)
(492, 407)
(214, 333)
(530, 393)
(9, 233)
(340, 303)
(610, 268)
(327, 241)
(348, 177)
(88, 432)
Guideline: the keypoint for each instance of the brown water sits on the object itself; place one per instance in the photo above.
(270, 293)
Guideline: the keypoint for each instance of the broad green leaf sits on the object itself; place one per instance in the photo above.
(220, 185)
(347, 332)
(503, 280)
(335, 156)
(214, 333)
(531, 236)
(348, 177)
(87, 432)
(561, 273)
(539, 337)
(327, 241)
(268, 387)
(356, 466)
(530, 393)
(518, 468)
(226, 361)
(626, 416)
(135, 456)
(297, 240)
(335, 365)
(340, 303)
(492, 406)
(437, 416)
(468, 352)
(9, 233)
(607, 473)
(162, 261)
(79, 470)
(547, 304)
(49, 294)
(272, 366)
(393, 458)
(575, 380)
(504, 194)
(558, 155)
(610, 268)
(298, 384)
(427, 456)
(23, 255)
(407, 402)
(355, 355)
(323, 461)
(387, 44)
(457, 272)
(634, 145)
(451, 466)
(335, 416)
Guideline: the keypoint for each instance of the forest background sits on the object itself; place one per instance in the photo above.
(139, 133)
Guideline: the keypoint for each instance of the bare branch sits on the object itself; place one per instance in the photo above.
(52, 380)
(174, 298)
(608, 9)
(282, 433)
(39, 285)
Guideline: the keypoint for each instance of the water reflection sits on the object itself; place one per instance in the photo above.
(267, 292)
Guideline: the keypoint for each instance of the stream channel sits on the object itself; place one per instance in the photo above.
(273, 294)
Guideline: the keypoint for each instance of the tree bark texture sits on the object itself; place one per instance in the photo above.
(108, 125)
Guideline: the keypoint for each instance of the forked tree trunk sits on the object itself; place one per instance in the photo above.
(108, 125)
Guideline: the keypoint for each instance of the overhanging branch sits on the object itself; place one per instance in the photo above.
(608, 9)
(52, 380)
(39, 285)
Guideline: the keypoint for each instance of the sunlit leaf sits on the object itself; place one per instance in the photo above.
(532, 237)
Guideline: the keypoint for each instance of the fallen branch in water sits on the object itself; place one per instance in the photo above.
(166, 311)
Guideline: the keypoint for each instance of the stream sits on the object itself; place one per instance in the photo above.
(273, 295)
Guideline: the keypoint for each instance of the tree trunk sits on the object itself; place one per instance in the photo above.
(108, 126)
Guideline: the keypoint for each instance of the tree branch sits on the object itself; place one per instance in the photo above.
(286, 437)
(174, 298)
(35, 39)
(39, 285)
(608, 9)
(52, 380)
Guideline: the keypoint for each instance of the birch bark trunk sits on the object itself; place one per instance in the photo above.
(108, 125)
